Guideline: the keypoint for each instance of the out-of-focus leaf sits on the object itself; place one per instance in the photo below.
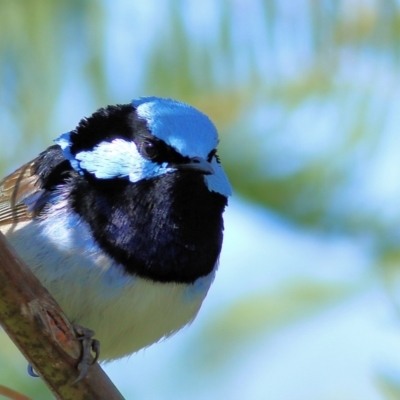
(389, 385)
(14, 374)
(264, 314)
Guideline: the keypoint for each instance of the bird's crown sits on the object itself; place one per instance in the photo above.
(150, 137)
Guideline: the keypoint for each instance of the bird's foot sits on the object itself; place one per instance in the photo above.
(89, 344)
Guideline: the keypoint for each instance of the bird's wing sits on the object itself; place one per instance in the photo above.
(14, 189)
(24, 193)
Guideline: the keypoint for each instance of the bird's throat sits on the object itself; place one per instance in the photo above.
(167, 229)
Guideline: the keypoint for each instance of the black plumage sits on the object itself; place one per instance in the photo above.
(168, 228)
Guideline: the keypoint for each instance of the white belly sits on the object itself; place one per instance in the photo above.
(127, 313)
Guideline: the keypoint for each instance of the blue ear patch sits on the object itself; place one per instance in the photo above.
(116, 159)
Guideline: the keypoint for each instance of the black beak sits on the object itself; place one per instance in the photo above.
(197, 164)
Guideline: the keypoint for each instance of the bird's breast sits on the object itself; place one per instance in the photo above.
(126, 312)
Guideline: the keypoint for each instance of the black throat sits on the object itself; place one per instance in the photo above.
(167, 229)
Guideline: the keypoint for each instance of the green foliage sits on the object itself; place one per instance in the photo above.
(39, 42)
(13, 372)
(389, 385)
(329, 67)
(263, 315)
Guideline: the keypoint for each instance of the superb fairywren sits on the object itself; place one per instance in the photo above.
(121, 220)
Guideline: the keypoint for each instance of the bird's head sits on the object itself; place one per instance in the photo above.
(146, 139)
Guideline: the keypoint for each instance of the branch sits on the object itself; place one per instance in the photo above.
(41, 331)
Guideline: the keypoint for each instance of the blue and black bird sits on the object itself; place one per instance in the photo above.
(122, 220)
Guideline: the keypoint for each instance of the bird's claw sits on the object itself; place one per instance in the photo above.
(89, 344)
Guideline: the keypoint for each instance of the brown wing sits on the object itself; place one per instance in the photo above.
(14, 189)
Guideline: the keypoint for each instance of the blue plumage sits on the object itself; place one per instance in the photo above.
(181, 126)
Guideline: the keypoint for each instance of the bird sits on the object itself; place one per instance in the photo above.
(121, 220)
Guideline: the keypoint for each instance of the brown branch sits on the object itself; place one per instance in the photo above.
(41, 331)
(12, 394)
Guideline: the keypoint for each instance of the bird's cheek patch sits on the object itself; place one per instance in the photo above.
(116, 159)
(109, 159)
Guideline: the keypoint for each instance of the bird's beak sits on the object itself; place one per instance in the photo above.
(197, 164)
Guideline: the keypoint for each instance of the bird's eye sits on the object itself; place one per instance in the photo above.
(149, 150)
(211, 155)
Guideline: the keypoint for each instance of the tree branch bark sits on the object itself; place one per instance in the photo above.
(41, 331)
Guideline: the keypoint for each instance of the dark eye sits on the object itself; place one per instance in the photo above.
(211, 155)
(149, 150)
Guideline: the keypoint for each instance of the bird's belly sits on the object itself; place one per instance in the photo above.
(130, 317)
(126, 312)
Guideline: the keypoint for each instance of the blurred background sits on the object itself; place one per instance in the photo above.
(305, 94)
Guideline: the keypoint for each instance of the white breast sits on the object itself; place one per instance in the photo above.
(127, 313)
